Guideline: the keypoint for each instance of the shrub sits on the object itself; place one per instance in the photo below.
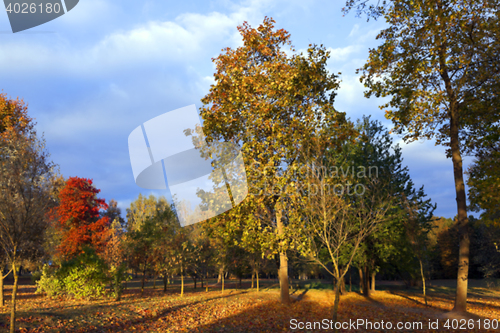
(49, 283)
(86, 281)
(118, 275)
(84, 276)
(35, 276)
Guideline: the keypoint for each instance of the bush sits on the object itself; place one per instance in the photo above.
(118, 275)
(35, 276)
(49, 283)
(82, 277)
(88, 281)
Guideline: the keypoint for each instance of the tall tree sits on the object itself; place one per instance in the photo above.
(26, 190)
(438, 62)
(270, 103)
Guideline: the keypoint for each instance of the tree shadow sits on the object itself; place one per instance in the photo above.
(271, 316)
(118, 326)
(299, 297)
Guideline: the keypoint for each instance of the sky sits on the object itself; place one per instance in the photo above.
(91, 76)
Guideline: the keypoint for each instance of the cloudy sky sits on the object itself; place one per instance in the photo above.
(93, 75)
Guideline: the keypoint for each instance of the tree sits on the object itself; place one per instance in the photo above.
(334, 218)
(438, 64)
(141, 244)
(417, 226)
(484, 183)
(151, 228)
(3, 264)
(142, 209)
(260, 92)
(388, 246)
(26, 193)
(14, 119)
(114, 257)
(77, 217)
(114, 212)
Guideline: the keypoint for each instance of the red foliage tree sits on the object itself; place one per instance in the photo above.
(77, 218)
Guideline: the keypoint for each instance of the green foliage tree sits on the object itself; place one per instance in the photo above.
(334, 218)
(391, 244)
(484, 183)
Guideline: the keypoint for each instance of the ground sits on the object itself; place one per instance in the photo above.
(245, 310)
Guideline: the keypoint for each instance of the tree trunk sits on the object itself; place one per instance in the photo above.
(336, 302)
(463, 221)
(154, 281)
(423, 279)
(283, 270)
(165, 284)
(373, 280)
(2, 301)
(222, 290)
(366, 282)
(350, 282)
(456, 157)
(13, 305)
(143, 281)
(257, 277)
(253, 276)
(194, 282)
(360, 279)
(182, 280)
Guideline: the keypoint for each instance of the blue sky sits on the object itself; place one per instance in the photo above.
(93, 75)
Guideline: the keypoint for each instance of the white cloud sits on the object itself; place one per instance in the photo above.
(87, 12)
(354, 30)
(341, 54)
(184, 40)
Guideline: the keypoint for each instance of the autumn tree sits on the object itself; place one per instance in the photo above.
(14, 119)
(142, 209)
(201, 253)
(269, 103)
(77, 217)
(26, 190)
(164, 249)
(149, 240)
(437, 61)
(114, 257)
(141, 244)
